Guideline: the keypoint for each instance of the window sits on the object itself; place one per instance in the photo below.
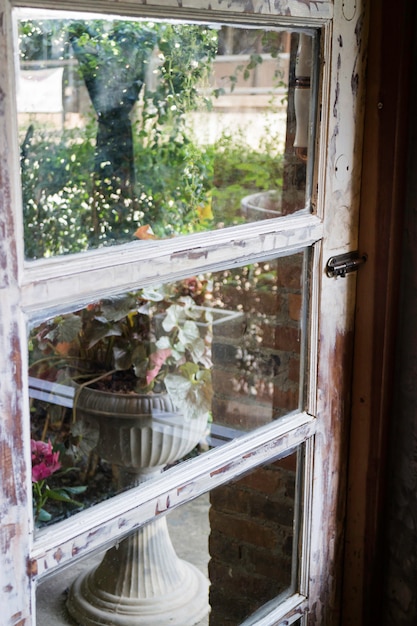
(183, 219)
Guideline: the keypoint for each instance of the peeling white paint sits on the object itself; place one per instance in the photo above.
(33, 289)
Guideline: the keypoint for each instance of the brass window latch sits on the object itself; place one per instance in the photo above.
(345, 264)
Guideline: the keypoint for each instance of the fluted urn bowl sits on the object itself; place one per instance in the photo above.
(139, 431)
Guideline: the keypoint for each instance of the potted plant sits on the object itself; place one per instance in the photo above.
(143, 356)
(142, 342)
(140, 365)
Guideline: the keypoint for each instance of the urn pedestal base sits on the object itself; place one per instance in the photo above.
(140, 582)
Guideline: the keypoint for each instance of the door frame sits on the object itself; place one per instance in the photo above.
(383, 200)
(338, 182)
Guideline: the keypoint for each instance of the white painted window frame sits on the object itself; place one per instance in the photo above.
(31, 290)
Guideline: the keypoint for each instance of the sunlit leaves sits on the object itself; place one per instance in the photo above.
(191, 391)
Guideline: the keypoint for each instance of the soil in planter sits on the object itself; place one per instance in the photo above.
(117, 382)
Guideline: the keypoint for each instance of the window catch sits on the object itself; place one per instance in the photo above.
(345, 264)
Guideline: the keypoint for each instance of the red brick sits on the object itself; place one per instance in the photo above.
(294, 369)
(226, 609)
(286, 400)
(222, 548)
(253, 301)
(295, 303)
(265, 303)
(240, 414)
(285, 338)
(287, 547)
(290, 272)
(224, 353)
(288, 462)
(231, 329)
(243, 529)
(253, 554)
(239, 583)
(236, 388)
(230, 499)
(264, 563)
(273, 512)
(263, 480)
(224, 380)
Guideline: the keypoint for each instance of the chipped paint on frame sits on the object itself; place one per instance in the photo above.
(29, 289)
(15, 544)
(295, 9)
(341, 184)
(124, 513)
(51, 285)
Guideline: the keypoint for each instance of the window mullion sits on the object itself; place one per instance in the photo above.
(60, 281)
(109, 520)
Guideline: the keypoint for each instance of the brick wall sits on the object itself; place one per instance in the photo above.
(256, 379)
(251, 541)
(256, 356)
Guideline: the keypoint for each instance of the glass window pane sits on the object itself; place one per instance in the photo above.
(132, 130)
(252, 526)
(129, 385)
(215, 560)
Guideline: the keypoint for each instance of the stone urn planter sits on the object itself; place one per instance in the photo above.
(141, 580)
(261, 206)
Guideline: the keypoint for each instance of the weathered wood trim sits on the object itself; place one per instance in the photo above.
(211, 9)
(380, 234)
(337, 201)
(15, 483)
(341, 204)
(60, 282)
(102, 523)
(291, 610)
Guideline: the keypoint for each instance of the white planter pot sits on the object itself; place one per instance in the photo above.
(142, 580)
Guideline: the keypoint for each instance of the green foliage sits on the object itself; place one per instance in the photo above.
(240, 170)
(42, 493)
(175, 181)
(174, 178)
(140, 338)
(112, 60)
(95, 184)
(46, 466)
(79, 190)
(57, 183)
(185, 56)
(41, 39)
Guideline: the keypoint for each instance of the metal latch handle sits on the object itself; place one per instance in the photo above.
(345, 264)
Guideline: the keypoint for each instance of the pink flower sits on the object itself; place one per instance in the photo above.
(44, 461)
(157, 359)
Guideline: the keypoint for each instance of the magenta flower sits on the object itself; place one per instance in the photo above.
(45, 462)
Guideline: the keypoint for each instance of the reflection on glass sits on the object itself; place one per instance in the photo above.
(253, 541)
(135, 130)
(129, 385)
(239, 542)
